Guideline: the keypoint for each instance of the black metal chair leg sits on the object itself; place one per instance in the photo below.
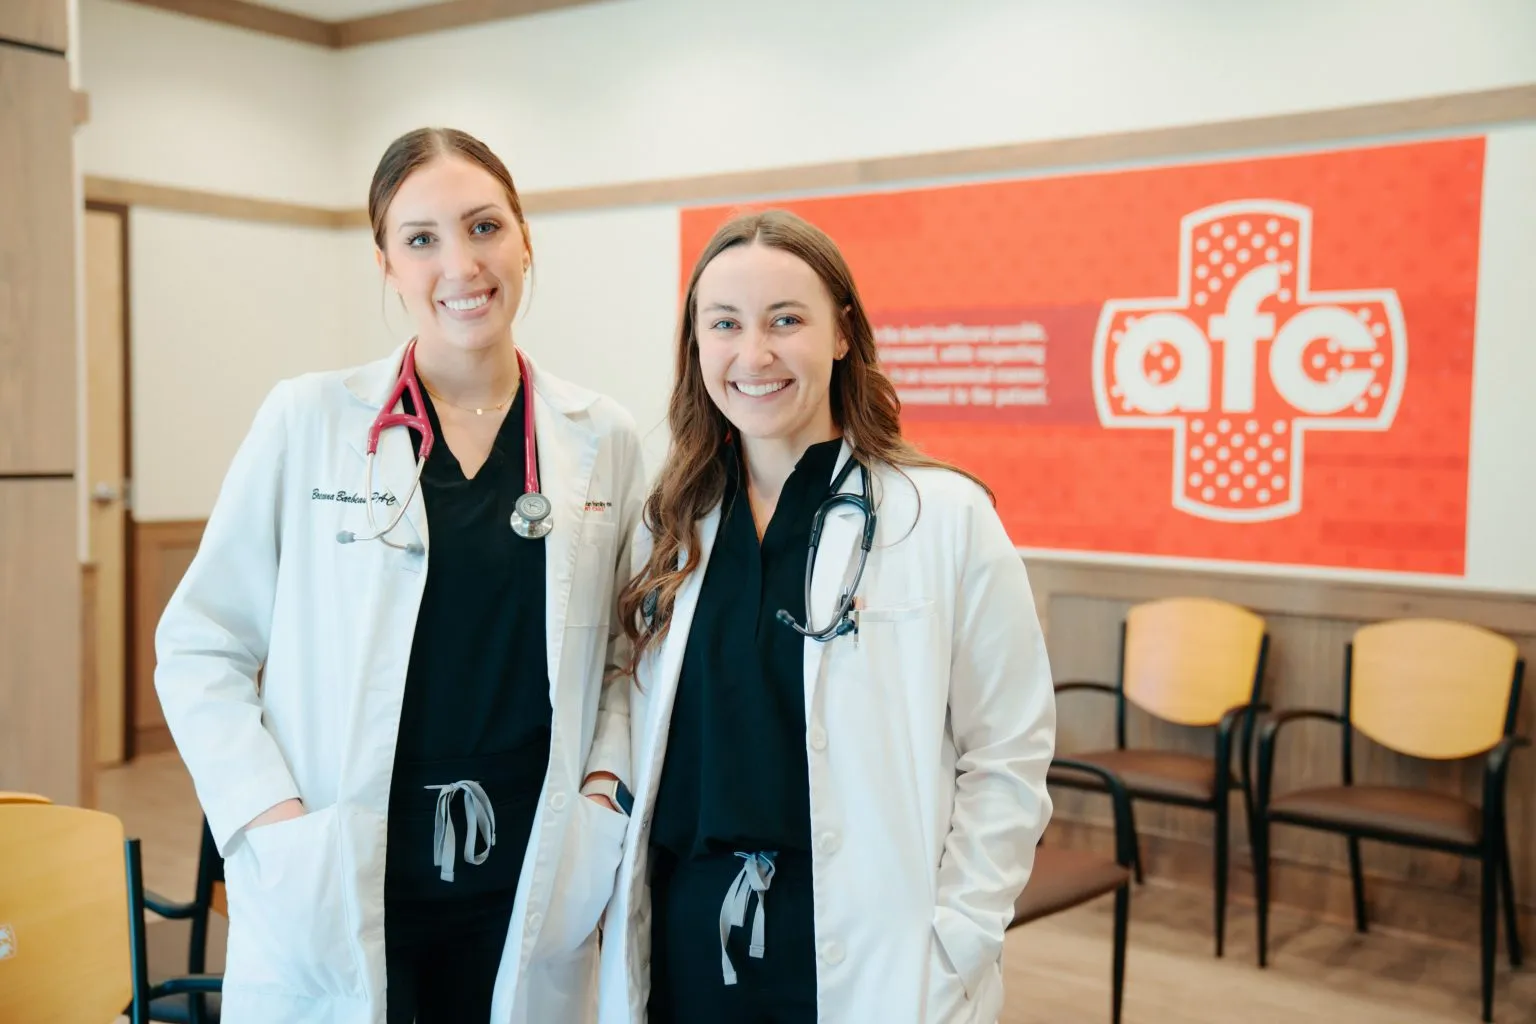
(1511, 912)
(1136, 860)
(1117, 979)
(1357, 883)
(1220, 866)
(1490, 926)
(1261, 885)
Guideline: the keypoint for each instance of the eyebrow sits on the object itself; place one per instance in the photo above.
(432, 223)
(781, 304)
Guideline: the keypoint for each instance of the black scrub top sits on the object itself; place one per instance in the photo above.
(476, 703)
(735, 775)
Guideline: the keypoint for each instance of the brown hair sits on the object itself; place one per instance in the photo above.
(416, 149)
(865, 407)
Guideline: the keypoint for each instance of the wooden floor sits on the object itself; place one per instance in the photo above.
(1057, 970)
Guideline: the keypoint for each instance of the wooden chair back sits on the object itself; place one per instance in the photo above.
(9, 797)
(1432, 688)
(1190, 659)
(64, 946)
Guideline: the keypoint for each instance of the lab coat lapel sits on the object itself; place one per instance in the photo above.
(836, 558)
(669, 657)
(566, 451)
(394, 466)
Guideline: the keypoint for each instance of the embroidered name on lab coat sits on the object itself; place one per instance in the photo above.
(351, 497)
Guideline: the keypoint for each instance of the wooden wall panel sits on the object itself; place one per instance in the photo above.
(37, 304)
(1309, 622)
(42, 23)
(40, 670)
(161, 553)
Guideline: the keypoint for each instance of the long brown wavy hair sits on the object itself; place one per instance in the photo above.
(865, 408)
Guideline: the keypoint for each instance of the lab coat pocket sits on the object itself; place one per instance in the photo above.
(947, 999)
(584, 880)
(593, 580)
(904, 612)
(288, 922)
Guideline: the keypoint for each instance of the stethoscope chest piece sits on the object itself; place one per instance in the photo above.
(530, 517)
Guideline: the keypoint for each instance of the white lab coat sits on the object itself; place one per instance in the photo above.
(928, 737)
(329, 628)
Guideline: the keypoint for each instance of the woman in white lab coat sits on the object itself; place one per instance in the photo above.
(835, 806)
(390, 695)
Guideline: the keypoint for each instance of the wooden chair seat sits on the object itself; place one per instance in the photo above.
(1169, 774)
(1065, 878)
(1387, 810)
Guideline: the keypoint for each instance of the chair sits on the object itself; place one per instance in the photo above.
(1197, 662)
(1425, 688)
(157, 1000)
(64, 949)
(181, 1003)
(9, 797)
(1066, 878)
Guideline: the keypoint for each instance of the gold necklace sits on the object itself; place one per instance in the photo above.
(464, 408)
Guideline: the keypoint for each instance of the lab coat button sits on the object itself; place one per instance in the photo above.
(818, 738)
(534, 920)
(832, 953)
(829, 842)
(557, 801)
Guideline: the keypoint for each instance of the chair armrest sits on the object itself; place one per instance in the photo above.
(188, 984)
(1496, 770)
(1229, 719)
(1272, 729)
(1120, 800)
(168, 908)
(1084, 684)
(1246, 712)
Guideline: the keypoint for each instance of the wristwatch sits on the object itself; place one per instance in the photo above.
(613, 789)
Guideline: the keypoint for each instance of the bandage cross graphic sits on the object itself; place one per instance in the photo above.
(1247, 359)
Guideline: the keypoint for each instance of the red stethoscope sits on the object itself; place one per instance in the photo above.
(531, 514)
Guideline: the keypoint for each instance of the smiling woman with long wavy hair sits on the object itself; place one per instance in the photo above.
(839, 689)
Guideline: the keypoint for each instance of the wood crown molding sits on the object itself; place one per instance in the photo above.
(118, 192)
(375, 28)
(1471, 111)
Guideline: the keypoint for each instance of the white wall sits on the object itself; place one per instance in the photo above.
(667, 88)
(628, 90)
(201, 361)
(219, 308)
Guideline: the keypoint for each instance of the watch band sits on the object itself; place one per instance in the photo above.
(613, 789)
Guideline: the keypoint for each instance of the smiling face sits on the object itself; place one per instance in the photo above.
(456, 252)
(768, 335)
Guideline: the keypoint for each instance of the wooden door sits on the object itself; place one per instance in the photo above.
(106, 474)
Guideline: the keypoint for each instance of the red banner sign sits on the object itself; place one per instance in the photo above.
(1259, 360)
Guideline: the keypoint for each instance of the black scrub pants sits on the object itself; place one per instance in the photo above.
(687, 983)
(442, 955)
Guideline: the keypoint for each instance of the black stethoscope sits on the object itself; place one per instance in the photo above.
(843, 621)
(531, 514)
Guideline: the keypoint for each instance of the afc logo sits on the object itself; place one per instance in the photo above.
(1247, 359)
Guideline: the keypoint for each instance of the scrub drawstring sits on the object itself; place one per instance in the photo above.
(755, 876)
(476, 803)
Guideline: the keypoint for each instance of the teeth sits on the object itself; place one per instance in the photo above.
(465, 305)
(759, 390)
